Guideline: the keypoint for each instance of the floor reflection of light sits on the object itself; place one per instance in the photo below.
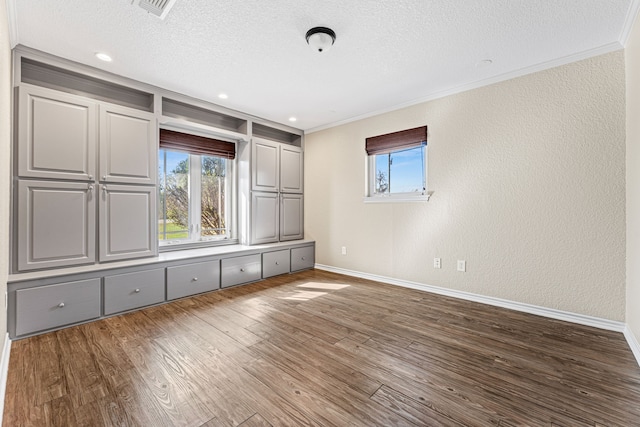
(304, 295)
(327, 286)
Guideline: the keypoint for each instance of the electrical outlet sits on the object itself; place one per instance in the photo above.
(436, 263)
(462, 265)
(344, 250)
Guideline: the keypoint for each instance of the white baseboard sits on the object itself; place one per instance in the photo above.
(4, 372)
(580, 319)
(633, 343)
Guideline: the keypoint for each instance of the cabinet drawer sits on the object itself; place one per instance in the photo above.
(51, 306)
(302, 258)
(275, 263)
(128, 291)
(185, 280)
(241, 269)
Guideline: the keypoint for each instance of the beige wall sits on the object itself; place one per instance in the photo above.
(528, 178)
(5, 154)
(632, 56)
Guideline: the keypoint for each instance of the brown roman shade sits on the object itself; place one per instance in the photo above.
(194, 144)
(403, 139)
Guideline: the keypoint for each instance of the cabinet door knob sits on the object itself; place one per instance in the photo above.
(61, 305)
(242, 269)
(277, 263)
(195, 279)
(137, 291)
(104, 188)
(90, 188)
(302, 258)
(90, 177)
(104, 177)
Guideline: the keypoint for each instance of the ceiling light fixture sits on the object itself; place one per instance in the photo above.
(103, 57)
(292, 119)
(223, 96)
(320, 38)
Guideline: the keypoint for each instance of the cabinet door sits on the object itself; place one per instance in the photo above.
(191, 279)
(128, 145)
(237, 270)
(132, 290)
(265, 226)
(56, 224)
(57, 135)
(46, 307)
(275, 263)
(291, 217)
(291, 167)
(265, 162)
(128, 227)
(302, 258)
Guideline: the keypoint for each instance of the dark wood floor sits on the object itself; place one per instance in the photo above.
(316, 348)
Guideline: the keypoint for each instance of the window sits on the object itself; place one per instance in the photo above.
(398, 165)
(195, 190)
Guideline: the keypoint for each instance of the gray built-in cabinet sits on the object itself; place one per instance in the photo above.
(84, 198)
(42, 302)
(62, 139)
(276, 197)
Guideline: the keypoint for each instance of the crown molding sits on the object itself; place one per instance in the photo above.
(610, 47)
(630, 19)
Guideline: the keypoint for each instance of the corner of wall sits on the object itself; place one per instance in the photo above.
(5, 182)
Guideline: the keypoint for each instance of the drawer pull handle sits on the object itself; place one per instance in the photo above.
(242, 269)
(137, 291)
(195, 279)
(61, 305)
(90, 187)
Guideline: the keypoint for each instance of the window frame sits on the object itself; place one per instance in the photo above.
(414, 196)
(195, 238)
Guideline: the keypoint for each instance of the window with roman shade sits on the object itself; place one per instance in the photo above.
(196, 193)
(398, 165)
(194, 144)
(395, 141)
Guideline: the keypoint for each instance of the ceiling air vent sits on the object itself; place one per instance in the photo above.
(159, 8)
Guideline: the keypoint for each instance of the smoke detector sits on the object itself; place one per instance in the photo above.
(159, 8)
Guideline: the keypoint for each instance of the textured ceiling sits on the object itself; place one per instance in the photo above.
(387, 53)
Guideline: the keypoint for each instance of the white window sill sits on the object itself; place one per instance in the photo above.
(398, 199)
(181, 245)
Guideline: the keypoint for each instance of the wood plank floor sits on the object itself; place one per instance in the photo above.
(320, 349)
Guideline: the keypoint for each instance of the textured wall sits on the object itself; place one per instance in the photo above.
(5, 154)
(632, 57)
(528, 176)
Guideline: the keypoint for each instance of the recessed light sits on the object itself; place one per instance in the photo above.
(292, 119)
(484, 63)
(103, 57)
(223, 96)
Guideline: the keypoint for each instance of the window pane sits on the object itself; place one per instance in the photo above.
(382, 173)
(173, 215)
(212, 213)
(400, 171)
